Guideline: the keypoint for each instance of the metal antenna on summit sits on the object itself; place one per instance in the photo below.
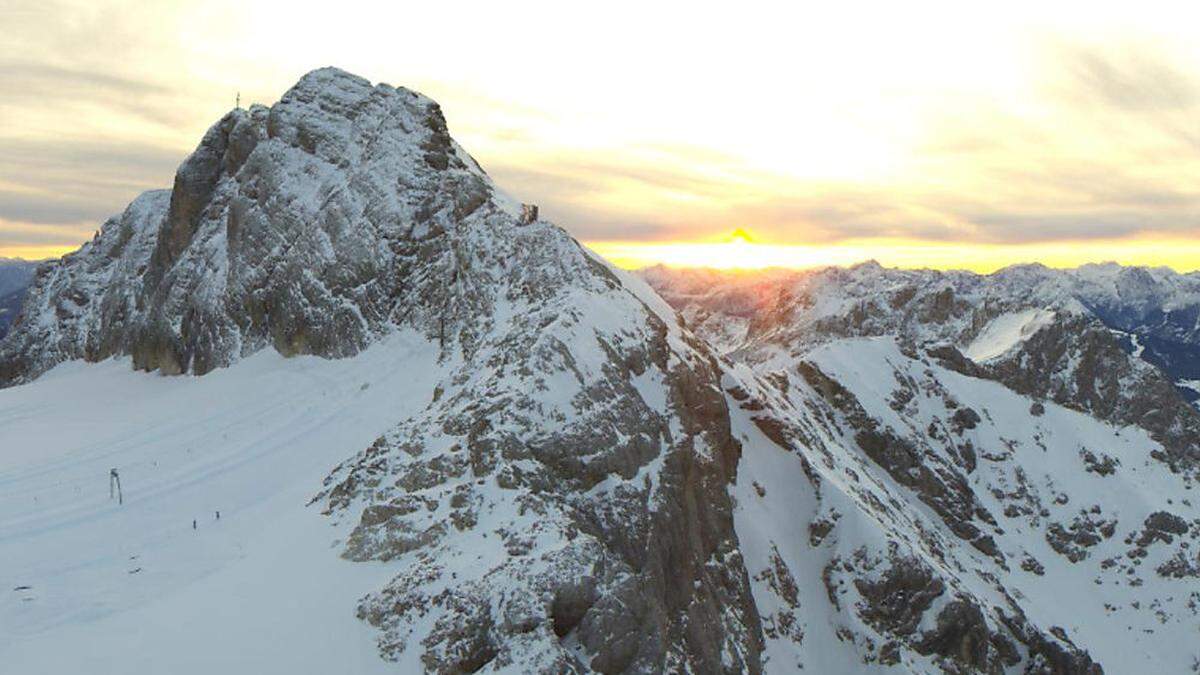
(114, 485)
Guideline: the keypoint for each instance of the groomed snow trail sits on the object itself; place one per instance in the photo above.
(133, 587)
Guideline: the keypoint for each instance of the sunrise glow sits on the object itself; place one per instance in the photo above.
(738, 253)
(1061, 133)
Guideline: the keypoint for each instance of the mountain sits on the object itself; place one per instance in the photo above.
(1005, 410)
(15, 276)
(550, 493)
(1153, 314)
(413, 427)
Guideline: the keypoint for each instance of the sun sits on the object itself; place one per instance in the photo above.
(741, 235)
(738, 250)
(739, 253)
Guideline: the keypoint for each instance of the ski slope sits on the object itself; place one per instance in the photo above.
(133, 587)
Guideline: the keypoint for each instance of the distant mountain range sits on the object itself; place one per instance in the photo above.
(1153, 313)
(15, 277)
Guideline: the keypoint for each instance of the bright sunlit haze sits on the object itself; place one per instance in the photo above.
(921, 135)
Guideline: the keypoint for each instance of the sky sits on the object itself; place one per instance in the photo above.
(919, 134)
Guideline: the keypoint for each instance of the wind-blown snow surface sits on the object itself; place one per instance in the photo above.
(133, 588)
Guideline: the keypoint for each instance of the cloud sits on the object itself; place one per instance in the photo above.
(67, 88)
(1134, 83)
(21, 234)
(1104, 146)
(49, 182)
(68, 163)
(1094, 141)
(564, 196)
(1131, 78)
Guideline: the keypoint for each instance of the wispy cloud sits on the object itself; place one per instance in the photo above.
(48, 183)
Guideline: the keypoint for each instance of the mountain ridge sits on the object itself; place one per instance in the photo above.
(1154, 312)
(15, 275)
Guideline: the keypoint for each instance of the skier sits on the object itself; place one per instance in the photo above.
(114, 481)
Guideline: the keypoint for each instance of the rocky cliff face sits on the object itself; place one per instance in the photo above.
(562, 503)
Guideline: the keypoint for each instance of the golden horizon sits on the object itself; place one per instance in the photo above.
(1180, 254)
(741, 251)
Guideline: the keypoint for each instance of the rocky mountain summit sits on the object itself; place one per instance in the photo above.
(832, 472)
(310, 226)
(561, 503)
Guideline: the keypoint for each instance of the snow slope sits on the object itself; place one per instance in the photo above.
(133, 588)
(1005, 332)
(824, 523)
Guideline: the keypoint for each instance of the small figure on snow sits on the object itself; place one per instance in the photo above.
(114, 485)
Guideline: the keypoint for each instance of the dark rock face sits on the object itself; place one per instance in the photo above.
(899, 599)
(1073, 541)
(1162, 526)
(1053, 654)
(964, 418)
(937, 484)
(626, 549)
(964, 637)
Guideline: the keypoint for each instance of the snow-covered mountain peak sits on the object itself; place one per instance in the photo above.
(555, 414)
(313, 226)
(330, 80)
(343, 117)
